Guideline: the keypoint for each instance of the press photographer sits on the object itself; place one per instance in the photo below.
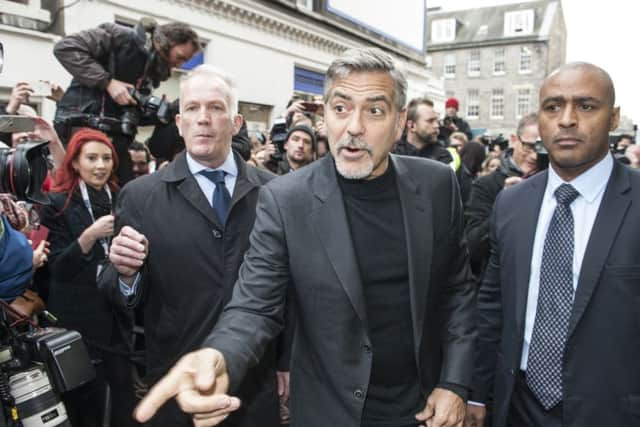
(114, 69)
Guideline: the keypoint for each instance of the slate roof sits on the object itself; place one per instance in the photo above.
(469, 22)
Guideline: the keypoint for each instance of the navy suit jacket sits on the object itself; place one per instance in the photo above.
(600, 386)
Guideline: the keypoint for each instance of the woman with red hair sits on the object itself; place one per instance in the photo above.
(80, 221)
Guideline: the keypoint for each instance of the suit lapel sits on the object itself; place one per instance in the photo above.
(189, 188)
(418, 227)
(330, 222)
(613, 208)
(527, 222)
(245, 182)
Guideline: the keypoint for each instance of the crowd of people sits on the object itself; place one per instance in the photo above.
(399, 272)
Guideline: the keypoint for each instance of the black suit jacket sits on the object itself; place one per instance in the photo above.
(600, 386)
(301, 236)
(190, 272)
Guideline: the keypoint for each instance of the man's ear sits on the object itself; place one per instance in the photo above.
(402, 122)
(237, 123)
(513, 139)
(615, 119)
(178, 120)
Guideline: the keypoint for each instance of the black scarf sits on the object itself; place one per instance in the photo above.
(100, 203)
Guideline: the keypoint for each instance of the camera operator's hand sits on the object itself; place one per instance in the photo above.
(40, 254)
(320, 129)
(511, 181)
(102, 227)
(269, 150)
(19, 95)
(46, 132)
(119, 91)
(18, 217)
(296, 107)
(128, 251)
(633, 154)
(56, 91)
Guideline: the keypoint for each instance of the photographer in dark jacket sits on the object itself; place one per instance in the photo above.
(516, 163)
(106, 63)
(452, 123)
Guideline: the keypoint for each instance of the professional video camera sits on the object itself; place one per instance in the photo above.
(278, 135)
(542, 155)
(36, 365)
(147, 105)
(491, 141)
(23, 169)
(149, 108)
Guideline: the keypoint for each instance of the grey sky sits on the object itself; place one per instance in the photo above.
(603, 33)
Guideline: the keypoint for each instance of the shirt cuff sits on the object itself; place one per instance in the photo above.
(458, 389)
(126, 290)
(474, 403)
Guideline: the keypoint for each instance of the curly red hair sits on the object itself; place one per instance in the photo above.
(66, 177)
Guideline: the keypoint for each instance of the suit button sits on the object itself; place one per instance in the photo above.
(358, 394)
(512, 371)
(217, 234)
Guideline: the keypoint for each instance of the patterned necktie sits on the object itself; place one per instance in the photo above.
(221, 197)
(555, 300)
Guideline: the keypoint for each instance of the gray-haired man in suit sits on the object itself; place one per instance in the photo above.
(373, 246)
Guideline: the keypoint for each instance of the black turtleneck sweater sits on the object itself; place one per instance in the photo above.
(377, 229)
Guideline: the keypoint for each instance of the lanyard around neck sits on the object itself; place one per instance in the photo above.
(104, 242)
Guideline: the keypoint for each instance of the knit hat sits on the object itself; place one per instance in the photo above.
(305, 129)
(452, 103)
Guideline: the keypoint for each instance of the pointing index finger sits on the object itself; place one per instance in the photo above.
(165, 389)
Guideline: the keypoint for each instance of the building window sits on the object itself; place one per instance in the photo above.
(473, 66)
(523, 102)
(525, 59)
(443, 30)
(497, 103)
(305, 4)
(449, 67)
(473, 104)
(518, 23)
(308, 81)
(429, 63)
(499, 66)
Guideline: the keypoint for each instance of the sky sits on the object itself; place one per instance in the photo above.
(605, 33)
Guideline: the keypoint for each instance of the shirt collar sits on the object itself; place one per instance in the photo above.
(229, 165)
(589, 184)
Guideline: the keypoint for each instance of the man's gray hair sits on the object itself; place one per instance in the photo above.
(367, 60)
(530, 119)
(207, 70)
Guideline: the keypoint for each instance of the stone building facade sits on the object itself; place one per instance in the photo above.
(493, 60)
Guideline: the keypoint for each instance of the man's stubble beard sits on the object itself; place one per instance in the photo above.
(346, 168)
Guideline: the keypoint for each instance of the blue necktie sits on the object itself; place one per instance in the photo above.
(555, 300)
(221, 197)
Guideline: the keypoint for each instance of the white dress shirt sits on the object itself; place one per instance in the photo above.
(591, 185)
(206, 185)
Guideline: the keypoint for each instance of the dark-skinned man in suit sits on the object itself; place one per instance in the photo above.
(558, 307)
